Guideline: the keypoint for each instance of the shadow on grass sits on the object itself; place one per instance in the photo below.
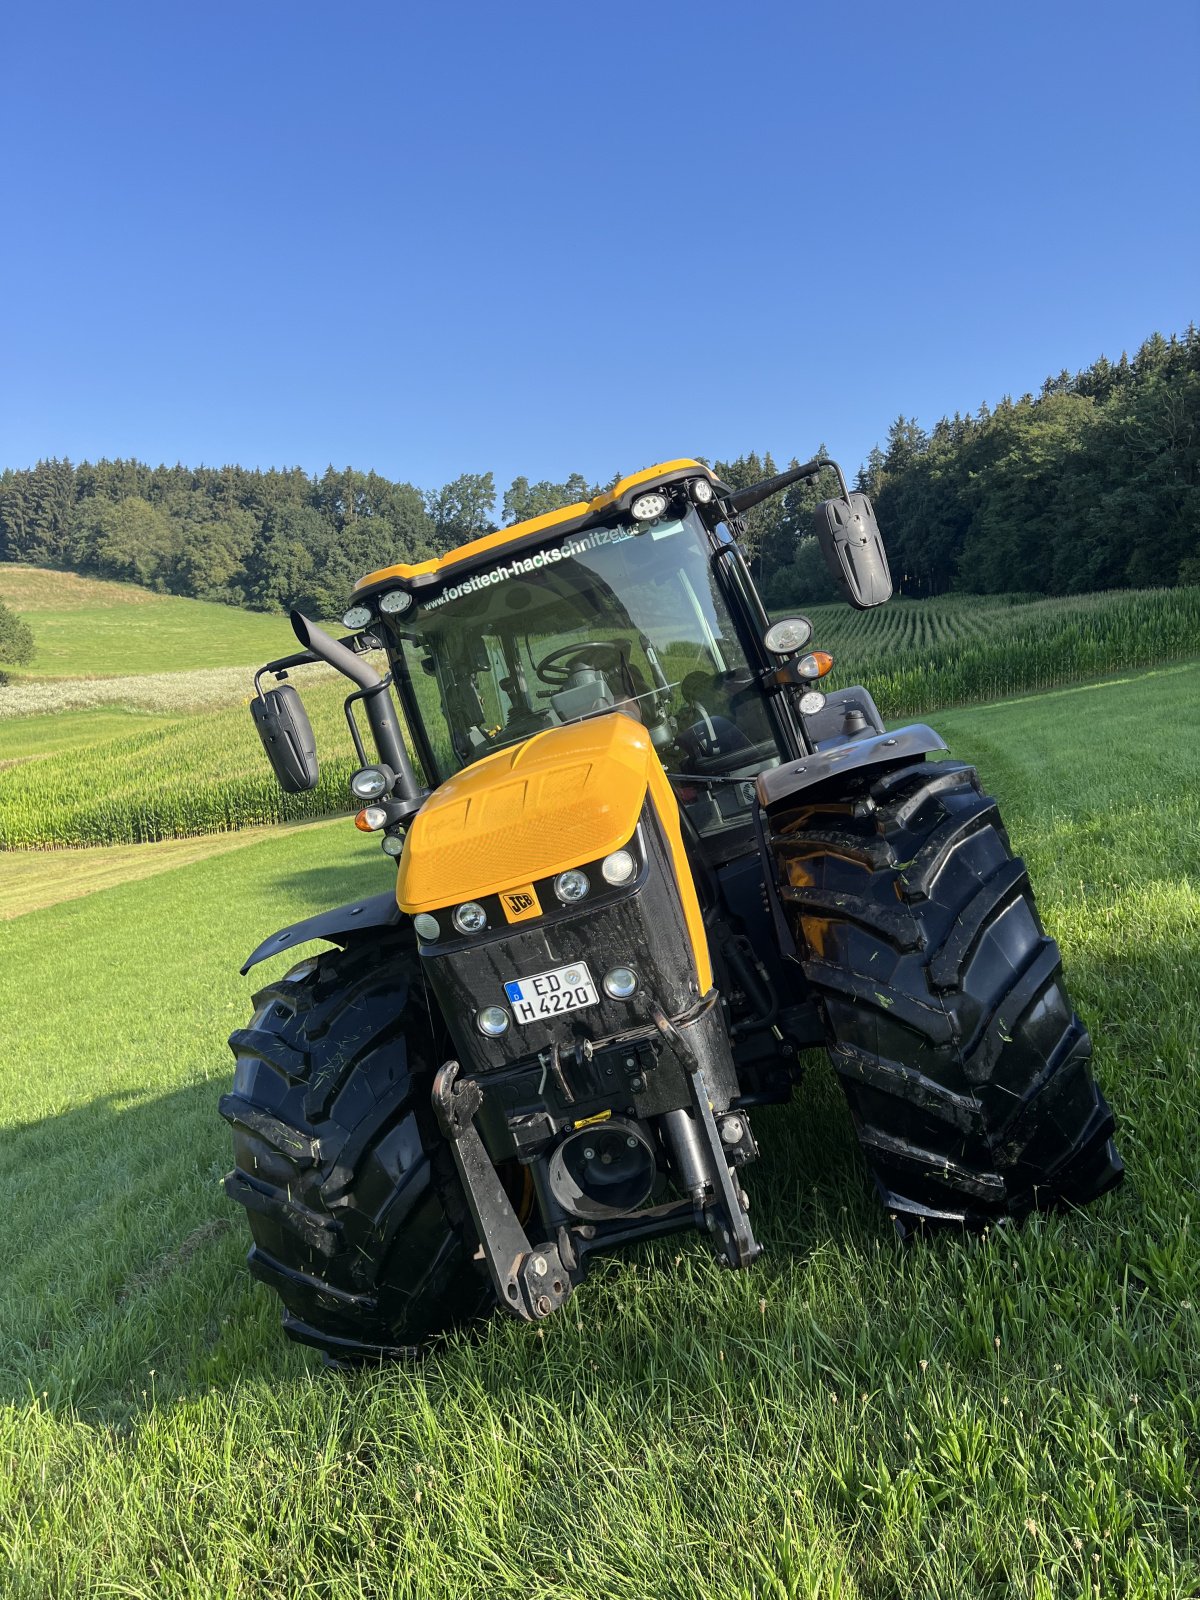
(124, 1258)
(350, 877)
(123, 1262)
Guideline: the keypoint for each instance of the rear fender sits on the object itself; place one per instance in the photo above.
(378, 911)
(879, 750)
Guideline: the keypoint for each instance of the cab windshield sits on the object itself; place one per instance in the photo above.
(625, 618)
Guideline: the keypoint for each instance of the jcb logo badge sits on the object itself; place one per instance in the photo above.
(521, 904)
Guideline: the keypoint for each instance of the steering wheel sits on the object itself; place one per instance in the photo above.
(557, 667)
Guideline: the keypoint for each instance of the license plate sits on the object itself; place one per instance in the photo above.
(549, 994)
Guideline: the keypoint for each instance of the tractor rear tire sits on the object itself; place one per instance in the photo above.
(357, 1214)
(967, 1071)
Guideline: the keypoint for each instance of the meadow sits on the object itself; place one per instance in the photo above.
(1012, 1415)
(90, 628)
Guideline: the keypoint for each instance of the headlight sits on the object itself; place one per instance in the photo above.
(470, 917)
(792, 633)
(357, 617)
(428, 928)
(395, 601)
(492, 1020)
(368, 783)
(620, 983)
(571, 886)
(648, 506)
(618, 867)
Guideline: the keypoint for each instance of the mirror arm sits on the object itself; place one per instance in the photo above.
(757, 492)
(302, 658)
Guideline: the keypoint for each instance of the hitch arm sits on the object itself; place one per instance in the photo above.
(530, 1281)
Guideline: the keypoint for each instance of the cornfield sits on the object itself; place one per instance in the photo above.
(206, 773)
(918, 655)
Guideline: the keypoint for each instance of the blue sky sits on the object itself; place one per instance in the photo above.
(543, 238)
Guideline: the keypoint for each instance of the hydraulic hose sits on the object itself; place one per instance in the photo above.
(381, 713)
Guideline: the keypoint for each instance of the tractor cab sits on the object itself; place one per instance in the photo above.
(628, 615)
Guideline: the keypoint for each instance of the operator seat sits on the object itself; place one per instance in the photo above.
(711, 738)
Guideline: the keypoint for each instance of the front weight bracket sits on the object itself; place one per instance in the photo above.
(530, 1281)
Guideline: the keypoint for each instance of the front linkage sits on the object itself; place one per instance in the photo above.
(532, 1280)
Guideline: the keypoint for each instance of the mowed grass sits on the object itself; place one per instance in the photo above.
(90, 628)
(33, 879)
(917, 655)
(1012, 1415)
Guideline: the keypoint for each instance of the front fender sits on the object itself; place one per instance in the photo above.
(881, 749)
(377, 911)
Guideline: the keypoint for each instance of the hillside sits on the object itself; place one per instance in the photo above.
(92, 628)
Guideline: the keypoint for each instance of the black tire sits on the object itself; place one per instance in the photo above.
(967, 1071)
(358, 1218)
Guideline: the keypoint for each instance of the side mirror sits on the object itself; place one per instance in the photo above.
(287, 737)
(852, 545)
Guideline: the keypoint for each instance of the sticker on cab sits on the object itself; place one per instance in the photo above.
(521, 903)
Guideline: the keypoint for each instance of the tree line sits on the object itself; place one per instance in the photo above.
(1093, 483)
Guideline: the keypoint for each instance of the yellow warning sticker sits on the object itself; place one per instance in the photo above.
(521, 903)
(586, 1122)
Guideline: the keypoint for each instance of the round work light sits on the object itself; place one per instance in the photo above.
(618, 867)
(368, 783)
(788, 635)
(470, 917)
(620, 982)
(571, 886)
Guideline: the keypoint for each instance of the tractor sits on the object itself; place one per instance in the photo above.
(644, 862)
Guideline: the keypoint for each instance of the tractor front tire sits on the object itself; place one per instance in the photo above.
(357, 1215)
(967, 1071)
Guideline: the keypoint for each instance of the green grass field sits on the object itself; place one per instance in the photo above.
(1012, 1415)
(88, 628)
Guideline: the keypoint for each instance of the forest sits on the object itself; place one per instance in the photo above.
(1092, 483)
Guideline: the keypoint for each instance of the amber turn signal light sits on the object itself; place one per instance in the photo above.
(816, 664)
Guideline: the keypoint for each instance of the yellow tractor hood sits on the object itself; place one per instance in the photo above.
(565, 796)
